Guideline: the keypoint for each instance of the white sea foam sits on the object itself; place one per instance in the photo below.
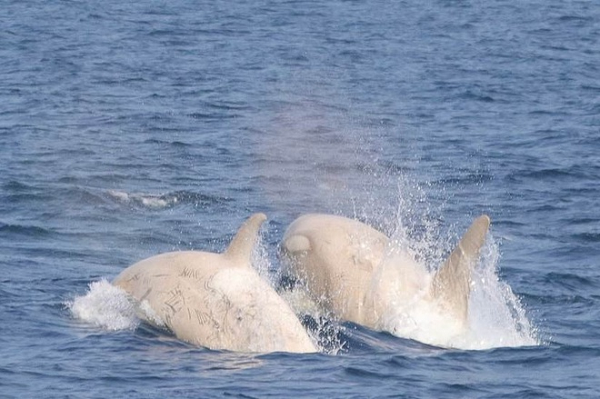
(105, 306)
(262, 263)
(148, 314)
(154, 201)
(496, 317)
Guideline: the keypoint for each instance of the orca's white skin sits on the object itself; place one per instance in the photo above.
(217, 301)
(353, 272)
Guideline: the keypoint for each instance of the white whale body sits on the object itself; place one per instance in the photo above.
(356, 273)
(217, 301)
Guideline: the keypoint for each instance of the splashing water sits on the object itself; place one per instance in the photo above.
(496, 317)
(321, 329)
(105, 306)
(325, 332)
(262, 263)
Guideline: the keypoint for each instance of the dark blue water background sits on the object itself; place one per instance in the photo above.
(133, 128)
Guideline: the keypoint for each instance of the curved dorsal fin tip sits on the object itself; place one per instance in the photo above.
(484, 219)
(451, 284)
(242, 244)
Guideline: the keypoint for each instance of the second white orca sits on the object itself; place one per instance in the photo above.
(214, 300)
(351, 270)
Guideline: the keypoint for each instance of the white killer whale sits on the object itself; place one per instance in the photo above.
(357, 274)
(217, 301)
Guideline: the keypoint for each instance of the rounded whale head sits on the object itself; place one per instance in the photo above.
(354, 272)
(336, 258)
(214, 300)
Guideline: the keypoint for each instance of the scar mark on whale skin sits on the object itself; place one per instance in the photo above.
(175, 301)
(143, 297)
(168, 321)
(189, 273)
(202, 317)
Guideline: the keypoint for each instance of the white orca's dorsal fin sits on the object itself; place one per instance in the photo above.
(240, 249)
(451, 284)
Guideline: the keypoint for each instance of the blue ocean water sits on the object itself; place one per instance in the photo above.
(133, 128)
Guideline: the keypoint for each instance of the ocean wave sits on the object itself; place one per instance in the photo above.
(591, 237)
(161, 201)
(174, 143)
(16, 186)
(570, 281)
(30, 231)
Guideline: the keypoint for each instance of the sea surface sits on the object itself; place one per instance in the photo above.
(128, 129)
